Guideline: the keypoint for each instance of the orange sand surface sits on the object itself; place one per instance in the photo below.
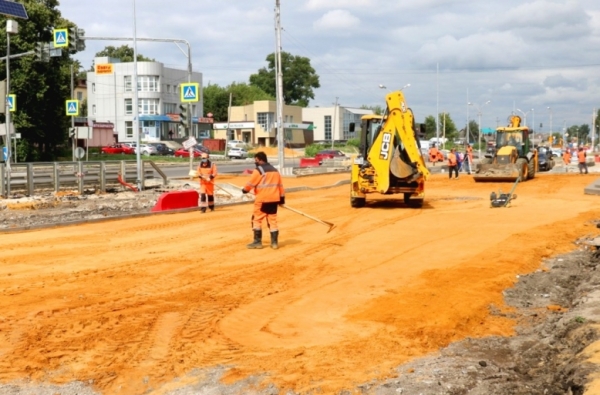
(134, 305)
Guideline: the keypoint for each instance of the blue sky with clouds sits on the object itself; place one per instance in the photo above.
(525, 55)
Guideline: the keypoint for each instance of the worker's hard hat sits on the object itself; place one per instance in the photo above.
(204, 155)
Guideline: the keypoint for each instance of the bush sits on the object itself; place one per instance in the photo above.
(353, 143)
(311, 150)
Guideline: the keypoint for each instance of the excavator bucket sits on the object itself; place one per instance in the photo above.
(496, 173)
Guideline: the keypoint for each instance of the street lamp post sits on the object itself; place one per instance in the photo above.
(524, 115)
(533, 127)
(136, 112)
(551, 113)
(479, 120)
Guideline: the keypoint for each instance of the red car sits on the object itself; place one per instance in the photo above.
(113, 149)
(128, 150)
(198, 150)
(329, 154)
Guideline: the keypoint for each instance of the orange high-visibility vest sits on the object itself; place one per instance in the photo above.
(451, 159)
(267, 184)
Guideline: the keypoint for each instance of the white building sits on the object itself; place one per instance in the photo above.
(110, 99)
(333, 122)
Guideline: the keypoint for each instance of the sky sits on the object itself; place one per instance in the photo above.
(538, 59)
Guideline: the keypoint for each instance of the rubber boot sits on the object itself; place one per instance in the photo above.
(257, 243)
(274, 236)
(203, 210)
(212, 208)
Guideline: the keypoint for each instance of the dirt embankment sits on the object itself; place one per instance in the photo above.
(150, 305)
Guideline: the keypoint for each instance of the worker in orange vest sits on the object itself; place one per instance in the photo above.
(452, 163)
(581, 159)
(468, 158)
(207, 171)
(433, 154)
(268, 189)
(566, 157)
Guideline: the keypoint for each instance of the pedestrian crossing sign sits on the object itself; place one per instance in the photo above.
(189, 92)
(11, 102)
(73, 107)
(61, 38)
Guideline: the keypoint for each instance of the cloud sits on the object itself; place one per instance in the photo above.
(337, 20)
(329, 4)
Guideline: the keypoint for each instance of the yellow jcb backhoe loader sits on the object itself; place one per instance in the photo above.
(390, 159)
(512, 157)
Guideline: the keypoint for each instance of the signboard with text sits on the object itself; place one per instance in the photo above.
(105, 68)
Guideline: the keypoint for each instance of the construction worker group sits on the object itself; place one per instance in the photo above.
(265, 183)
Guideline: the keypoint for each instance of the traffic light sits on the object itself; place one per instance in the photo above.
(39, 51)
(183, 115)
(80, 45)
(72, 132)
(72, 37)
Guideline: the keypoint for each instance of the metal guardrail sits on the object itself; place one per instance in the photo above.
(31, 177)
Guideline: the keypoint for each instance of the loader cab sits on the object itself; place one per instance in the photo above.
(515, 137)
(370, 126)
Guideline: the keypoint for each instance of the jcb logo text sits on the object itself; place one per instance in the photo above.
(385, 146)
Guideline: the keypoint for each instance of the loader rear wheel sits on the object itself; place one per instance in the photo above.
(531, 168)
(523, 168)
(357, 202)
(415, 203)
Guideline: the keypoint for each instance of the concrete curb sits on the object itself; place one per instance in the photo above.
(140, 215)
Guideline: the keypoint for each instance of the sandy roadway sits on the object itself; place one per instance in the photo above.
(132, 305)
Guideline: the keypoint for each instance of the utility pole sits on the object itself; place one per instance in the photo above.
(279, 89)
(73, 145)
(334, 123)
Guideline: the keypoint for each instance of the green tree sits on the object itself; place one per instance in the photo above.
(299, 79)
(216, 98)
(376, 109)
(41, 88)
(447, 126)
(430, 130)
(124, 53)
(473, 131)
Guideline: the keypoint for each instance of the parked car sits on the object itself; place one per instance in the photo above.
(162, 149)
(237, 152)
(235, 143)
(329, 154)
(127, 149)
(147, 149)
(545, 158)
(197, 149)
(112, 149)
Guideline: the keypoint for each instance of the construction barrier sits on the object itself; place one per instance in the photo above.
(176, 200)
(309, 162)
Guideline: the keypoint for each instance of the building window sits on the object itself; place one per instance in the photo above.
(128, 106)
(129, 129)
(94, 109)
(348, 118)
(148, 106)
(170, 108)
(127, 83)
(94, 87)
(148, 83)
(168, 88)
(327, 121)
(80, 96)
(265, 119)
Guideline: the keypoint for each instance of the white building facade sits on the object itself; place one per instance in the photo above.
(333, 123)
(110, 99)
